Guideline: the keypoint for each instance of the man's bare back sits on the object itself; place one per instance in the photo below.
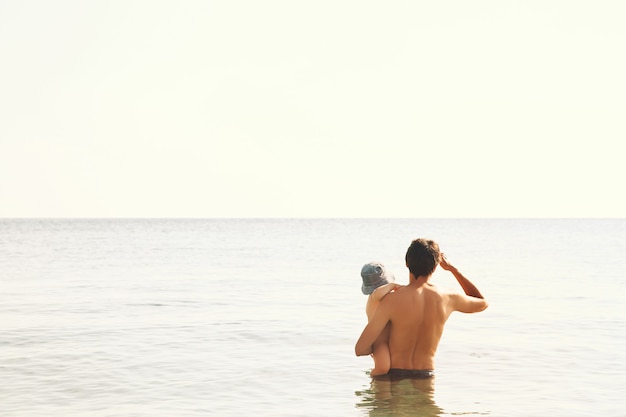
(417, 314)
(413, 341)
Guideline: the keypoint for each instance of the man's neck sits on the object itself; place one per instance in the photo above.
(418, 281)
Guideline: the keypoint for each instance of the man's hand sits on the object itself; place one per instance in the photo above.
(443, 262)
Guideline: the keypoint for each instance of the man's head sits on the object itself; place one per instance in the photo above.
(422, 257)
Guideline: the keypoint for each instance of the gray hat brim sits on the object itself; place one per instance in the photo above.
(368, 289)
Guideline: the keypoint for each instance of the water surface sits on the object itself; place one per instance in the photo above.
(259, 317)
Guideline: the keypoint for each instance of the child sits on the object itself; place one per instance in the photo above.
(378, 282)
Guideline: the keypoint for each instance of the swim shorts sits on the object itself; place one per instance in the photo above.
(410, 373)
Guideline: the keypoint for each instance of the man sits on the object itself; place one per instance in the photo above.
(416, 313)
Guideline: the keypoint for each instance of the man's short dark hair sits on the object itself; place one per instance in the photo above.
(422, 257)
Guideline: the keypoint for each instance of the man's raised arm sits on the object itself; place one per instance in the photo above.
(468, 306)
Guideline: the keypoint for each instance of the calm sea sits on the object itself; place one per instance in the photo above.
(259, 318)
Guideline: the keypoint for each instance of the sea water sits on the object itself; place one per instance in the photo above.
(232, 317)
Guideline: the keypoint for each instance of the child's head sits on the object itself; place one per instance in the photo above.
(374, 275)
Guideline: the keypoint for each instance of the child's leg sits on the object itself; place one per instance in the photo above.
(381, 354)
(382, 358)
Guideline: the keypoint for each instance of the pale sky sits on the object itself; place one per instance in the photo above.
(342, 108)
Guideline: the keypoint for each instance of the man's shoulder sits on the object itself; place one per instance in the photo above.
(391, 299)
(439, 293)
(439, 290)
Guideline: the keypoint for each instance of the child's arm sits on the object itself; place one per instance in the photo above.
(383, 290)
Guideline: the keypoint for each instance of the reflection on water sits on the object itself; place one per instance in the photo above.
(399, 397)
